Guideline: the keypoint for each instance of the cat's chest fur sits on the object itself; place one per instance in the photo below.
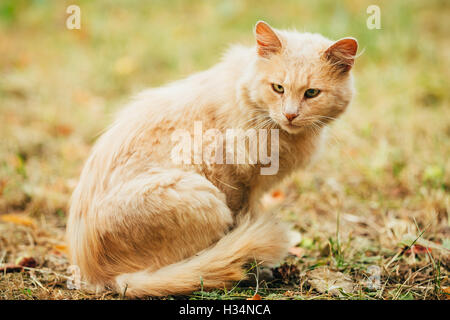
(244, 185)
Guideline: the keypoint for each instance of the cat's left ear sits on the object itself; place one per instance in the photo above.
(342, 53)
(267, 40)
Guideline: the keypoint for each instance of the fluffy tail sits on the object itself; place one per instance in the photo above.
(262, 240)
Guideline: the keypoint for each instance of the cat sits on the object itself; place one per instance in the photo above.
(142, 225)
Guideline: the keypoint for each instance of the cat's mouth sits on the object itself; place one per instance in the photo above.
(291, 127)
(287, 126)
(296, 128)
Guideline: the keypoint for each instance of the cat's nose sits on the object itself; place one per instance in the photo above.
(291, 116)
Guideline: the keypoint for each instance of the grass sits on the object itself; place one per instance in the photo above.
(375, 201)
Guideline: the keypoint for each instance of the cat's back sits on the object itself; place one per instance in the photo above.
(140, 136)
(159, 111)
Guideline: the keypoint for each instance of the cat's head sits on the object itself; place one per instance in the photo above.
(300, 80)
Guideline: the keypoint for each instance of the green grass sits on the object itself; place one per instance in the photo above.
(384, 177)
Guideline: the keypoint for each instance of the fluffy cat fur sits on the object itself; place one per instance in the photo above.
(140, 222)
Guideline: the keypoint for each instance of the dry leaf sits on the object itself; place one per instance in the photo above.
(255, 297)
(296, 251)
(446, 292)
(273, 198)
(64, 130)
(61, 248)
(286, 273)
(420, 249)
(277, 194)
(17, 218)
(327, 281)
(288, 293)
(409, 239)
(10, 267)
(28, 262)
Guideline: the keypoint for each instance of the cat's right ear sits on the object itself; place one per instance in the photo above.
(267, 41)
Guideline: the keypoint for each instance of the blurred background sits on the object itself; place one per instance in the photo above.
(384, 177)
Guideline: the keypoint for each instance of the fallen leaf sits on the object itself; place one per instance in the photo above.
(286, 273)
(10, 267)
(61, 248)
(327, 281)
(255, 297)
(410, 239)
(28, 262)
(273, 198)
(19, 219)
(296, 251)
(421, 249)
(277, 194)
(63, 130)
(288, 293)
(418, 249)
(446, 292)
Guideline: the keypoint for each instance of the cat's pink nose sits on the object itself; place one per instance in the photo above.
(290, 116)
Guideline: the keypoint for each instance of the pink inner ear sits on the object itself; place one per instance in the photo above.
(343, 52)
(347, 46)
(267, 40)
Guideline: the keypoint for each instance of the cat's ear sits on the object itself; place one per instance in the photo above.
(267, 40)
(342, 54)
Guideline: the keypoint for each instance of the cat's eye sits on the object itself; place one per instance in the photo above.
(311, 93)
(278, 88)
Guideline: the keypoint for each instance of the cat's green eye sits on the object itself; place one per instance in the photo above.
(311, 93)
(278, 88)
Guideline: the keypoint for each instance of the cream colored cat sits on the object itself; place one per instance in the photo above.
(141, 222)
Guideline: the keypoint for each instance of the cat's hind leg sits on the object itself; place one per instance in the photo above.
(155, 219)
(168, 231)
